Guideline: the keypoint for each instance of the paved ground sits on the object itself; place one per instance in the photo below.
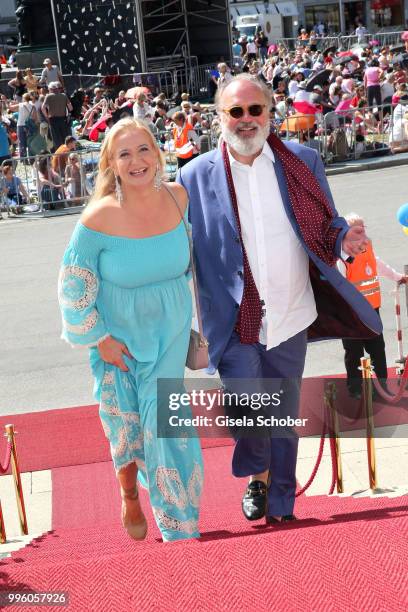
(38, 371)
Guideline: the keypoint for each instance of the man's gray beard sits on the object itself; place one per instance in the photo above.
(247, 146)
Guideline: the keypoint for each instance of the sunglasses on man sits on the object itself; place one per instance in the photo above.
(237, 112)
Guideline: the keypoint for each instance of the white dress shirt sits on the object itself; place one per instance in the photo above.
(278, 262)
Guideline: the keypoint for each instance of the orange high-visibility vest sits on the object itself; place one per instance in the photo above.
(363, 274)
(183, 146)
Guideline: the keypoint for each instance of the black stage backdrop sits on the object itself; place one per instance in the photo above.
(97, 36)
(208, 29)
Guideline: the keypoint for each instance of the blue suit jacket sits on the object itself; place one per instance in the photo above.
(342, 311)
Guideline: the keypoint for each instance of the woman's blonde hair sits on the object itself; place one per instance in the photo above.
(105, 180)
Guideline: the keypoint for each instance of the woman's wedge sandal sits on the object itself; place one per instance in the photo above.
(137, 530)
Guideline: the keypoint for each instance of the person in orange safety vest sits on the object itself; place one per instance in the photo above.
(185, 139)
(363, 272)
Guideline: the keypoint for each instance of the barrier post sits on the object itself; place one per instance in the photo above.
(17, 480)
(406, 286)
(333, 424)
(368, 405)
(3, 537)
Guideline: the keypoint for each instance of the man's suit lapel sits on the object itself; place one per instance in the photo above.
(219, 186)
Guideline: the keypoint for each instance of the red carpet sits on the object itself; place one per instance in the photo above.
(56, 438)
(63, 437)
(342, 555)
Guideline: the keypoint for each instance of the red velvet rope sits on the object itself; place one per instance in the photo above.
(317, 464)
(392, 399)
(4, 467)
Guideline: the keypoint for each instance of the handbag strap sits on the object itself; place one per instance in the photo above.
(191, 266)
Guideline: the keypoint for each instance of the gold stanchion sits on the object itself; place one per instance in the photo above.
(333, 422)
(368, 405)
(17, 480)
(3, 537)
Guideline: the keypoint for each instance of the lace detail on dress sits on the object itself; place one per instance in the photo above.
(119, 449)
(109, 399)
(78, 287)
(195, 485)
(135, 433)
(171, 487)
(169, 522)
(85, 326)
(108, 378)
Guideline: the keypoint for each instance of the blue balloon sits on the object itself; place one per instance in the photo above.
(402, 215)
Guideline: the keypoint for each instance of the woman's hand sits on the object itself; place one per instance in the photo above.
(112, 352)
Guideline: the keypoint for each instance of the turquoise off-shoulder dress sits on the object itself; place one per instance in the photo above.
(136, 290)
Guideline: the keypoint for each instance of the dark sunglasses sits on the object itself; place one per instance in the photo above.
(236, 112)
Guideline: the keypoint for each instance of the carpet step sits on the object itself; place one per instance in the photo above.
(321, 566)
(319, 512)
(16, 543)
(342, 554)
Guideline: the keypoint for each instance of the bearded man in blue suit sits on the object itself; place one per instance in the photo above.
(266, 238)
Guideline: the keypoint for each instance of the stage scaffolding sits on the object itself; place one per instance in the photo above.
(180, 33)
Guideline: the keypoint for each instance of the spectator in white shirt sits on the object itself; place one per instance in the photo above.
(302, 95)
(360, 32)
(294, 83)
(252, 50)
(51, 73)
(387, 91)
(336, 83)
(140, 107)
(225, 75)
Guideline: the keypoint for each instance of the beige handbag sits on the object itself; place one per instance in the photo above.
(197, 355)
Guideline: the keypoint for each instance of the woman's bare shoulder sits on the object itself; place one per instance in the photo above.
(179, 192)
(97, 215)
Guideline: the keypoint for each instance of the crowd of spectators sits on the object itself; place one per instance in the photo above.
(313, 91)
(45, 132)
(365, 87)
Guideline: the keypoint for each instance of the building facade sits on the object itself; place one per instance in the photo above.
(336, 15)
(339, 15)
(276, 19)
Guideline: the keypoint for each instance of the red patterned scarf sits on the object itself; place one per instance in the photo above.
(313, 214)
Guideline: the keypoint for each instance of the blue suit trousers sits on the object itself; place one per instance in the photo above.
(254, 455)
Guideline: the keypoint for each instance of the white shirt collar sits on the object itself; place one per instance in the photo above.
(266, 150)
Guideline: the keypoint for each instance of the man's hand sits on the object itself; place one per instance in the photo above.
(112, 352)
(403, 280)
(355, 241)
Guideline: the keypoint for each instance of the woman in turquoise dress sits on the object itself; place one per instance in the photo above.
(123, 292)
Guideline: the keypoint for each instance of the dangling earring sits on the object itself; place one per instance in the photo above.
(118, 190)
(157, 182)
